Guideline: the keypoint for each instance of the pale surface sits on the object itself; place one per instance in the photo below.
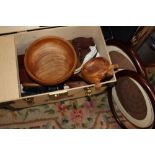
(23, 39)
(10, 29)
(8, 70)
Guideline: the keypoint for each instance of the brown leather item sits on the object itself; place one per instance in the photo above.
(82, 42)
(50, 60)
(81, 46)
(25, 79)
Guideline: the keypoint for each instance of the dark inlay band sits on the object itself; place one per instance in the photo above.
(121, 60)
(131, 98)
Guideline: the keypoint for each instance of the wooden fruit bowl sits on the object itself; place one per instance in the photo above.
(96, 70)
(50, 60)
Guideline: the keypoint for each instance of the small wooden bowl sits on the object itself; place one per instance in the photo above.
(50, 60)
(96, 70)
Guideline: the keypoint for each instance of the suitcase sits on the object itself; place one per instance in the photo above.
(130, 97)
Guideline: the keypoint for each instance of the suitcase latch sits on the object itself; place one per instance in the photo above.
(58, 95)
(88, 91)
(29, 101)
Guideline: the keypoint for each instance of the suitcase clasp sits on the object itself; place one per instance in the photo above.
(58, 95)
(88, 91)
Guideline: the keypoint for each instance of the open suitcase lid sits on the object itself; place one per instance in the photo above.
(14, 29)
(131, 99)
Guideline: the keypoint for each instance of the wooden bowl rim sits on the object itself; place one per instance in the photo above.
(95, 59)
(60, 79)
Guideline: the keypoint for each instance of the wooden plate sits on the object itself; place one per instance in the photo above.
(134, 98)
(50, 60)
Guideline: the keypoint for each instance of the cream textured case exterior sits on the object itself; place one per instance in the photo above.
(12, 45)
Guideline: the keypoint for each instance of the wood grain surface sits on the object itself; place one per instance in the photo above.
(50, 60)
(95, 70)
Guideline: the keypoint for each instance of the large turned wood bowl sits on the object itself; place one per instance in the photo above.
(50, 60)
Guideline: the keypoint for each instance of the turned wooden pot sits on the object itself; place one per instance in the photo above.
(50, 60)
(96, 69)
